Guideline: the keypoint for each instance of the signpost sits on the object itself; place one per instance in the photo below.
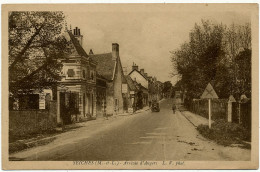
(209, 93)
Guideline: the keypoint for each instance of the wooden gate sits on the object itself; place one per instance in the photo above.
(69, 106)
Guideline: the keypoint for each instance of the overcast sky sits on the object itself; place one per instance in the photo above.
(146, 33)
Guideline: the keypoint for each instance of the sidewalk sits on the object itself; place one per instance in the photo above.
(195, 119)
(20, 145)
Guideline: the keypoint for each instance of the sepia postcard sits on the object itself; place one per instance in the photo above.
(130, 86)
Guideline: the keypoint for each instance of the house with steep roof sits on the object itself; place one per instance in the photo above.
(133, 91)
(110, 68)
(76, 92)
(141, 78)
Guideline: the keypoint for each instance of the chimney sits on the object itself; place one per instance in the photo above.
(76, 33)
(134, 67)
(90, 52)
(115, 51)
(142, 71)
(146, 75)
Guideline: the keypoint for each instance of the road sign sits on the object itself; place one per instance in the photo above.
(209, 93)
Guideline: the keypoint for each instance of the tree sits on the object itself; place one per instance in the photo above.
(216, 54)
(196, 61)
(35, 45)
(243, 61)
(167, 87)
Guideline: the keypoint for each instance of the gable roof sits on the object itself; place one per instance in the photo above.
(77, 45)
(130, 83)
(139, 73)
(105, 65)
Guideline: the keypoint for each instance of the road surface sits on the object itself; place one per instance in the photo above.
(154, 136)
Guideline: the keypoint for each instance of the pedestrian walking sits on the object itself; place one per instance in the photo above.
(173, 108)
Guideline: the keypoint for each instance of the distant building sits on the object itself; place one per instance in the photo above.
(133, 90)
(141, 78)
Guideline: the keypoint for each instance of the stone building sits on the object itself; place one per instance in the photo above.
(110, 68)
(76, 92)
(101, 87)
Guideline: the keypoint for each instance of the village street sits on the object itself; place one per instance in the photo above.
(143, 136)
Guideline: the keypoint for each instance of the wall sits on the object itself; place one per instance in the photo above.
(110, 98)
(101, 101)
(25, 122)
(118, 80)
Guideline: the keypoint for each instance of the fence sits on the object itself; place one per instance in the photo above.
(201, 107)
(26, 122)
(241, 111)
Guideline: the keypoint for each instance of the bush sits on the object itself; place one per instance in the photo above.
(225, 133)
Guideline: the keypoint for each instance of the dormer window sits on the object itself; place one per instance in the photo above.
(71, 73)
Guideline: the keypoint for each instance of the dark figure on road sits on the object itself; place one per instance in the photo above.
(173, 108)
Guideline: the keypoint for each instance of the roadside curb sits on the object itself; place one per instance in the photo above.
(195, 119)
(188, 119)
(25, 144)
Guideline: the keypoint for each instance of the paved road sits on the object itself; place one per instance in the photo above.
(144, 136)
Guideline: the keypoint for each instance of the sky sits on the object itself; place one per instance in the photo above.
(146, 33)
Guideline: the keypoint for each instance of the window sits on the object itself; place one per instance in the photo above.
(92, 75)
(116, 102)
(84, 73)
(71, 73)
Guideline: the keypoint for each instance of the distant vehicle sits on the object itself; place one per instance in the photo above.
(155, 106)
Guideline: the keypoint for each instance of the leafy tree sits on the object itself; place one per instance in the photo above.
(35, 44)
(216, 54)
(167, 87)
(243, 61)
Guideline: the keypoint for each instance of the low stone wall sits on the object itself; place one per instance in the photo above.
(26, 122)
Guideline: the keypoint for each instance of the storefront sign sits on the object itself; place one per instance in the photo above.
(124, 88)
(41, 101)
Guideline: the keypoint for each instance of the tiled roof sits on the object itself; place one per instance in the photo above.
(130, 83)
(139, 73)
(77, 45)
(105, 65)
